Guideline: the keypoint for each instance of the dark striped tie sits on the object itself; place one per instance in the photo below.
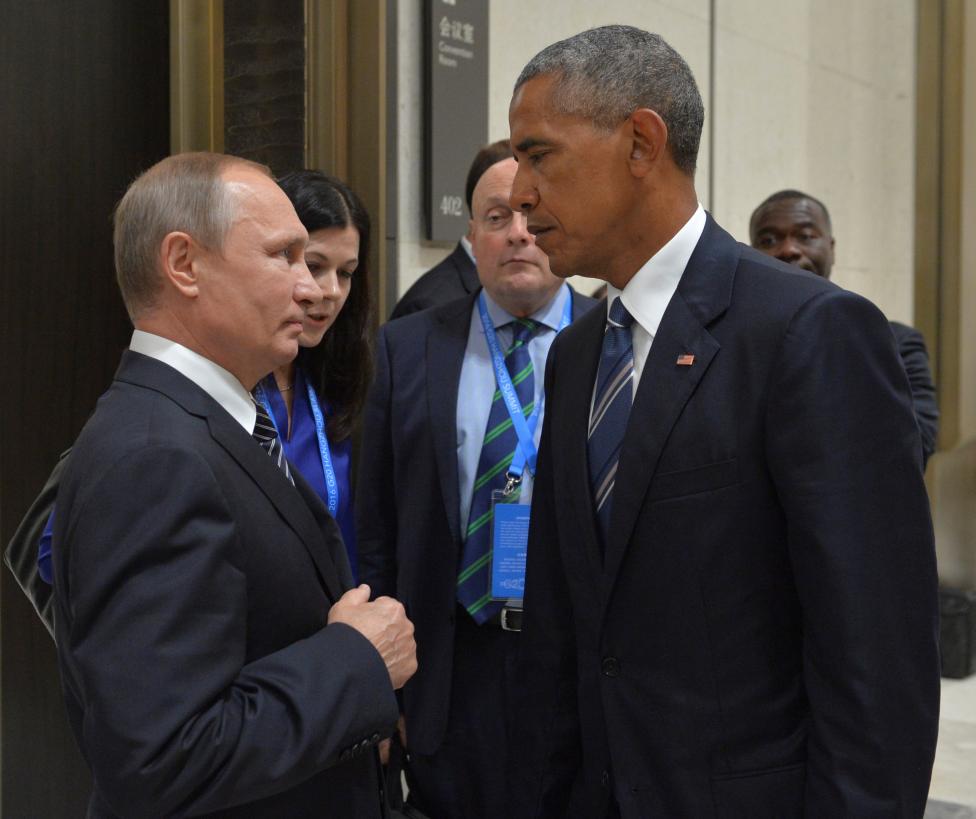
(266, 435)
(611, 409)
(473, 585)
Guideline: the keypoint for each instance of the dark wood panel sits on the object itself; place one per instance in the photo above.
(264, 82)
(85, 107)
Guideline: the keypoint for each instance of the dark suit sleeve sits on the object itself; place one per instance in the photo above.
(842, 448)
(545, 747)
(177, 721)
(376, 508)
(915, 360)
(22, 551)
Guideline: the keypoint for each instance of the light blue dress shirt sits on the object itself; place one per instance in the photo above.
(477, 386)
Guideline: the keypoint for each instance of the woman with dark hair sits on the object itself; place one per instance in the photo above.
(315, 400)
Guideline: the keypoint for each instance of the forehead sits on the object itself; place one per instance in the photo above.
(260, 204)
(494, 184)
(785, 214)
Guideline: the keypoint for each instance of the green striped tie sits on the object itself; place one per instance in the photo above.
(474, 590)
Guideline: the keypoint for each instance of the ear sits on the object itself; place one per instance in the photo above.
(179, 257)
(649, 141)
(832, 243)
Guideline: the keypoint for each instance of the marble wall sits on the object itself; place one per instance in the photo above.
(813, 94)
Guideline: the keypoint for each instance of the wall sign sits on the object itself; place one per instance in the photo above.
(455, 108)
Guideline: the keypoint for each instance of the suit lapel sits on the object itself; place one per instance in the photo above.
(290, 504)
(703, 294)
(578, 357)
(152, 374)
(446, 343)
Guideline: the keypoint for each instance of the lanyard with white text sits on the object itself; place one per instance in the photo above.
(325, 454)
(526, 452)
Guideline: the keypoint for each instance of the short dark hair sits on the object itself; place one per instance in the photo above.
(489, 155)
(606, 73)
(341, 366)
(790, 194)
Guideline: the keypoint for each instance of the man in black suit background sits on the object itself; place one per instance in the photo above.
(730, 600)
(437, 440)
(212, 657)
(795, 228)
(456, 275)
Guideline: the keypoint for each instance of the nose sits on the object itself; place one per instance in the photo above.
(306, 292)
(329, 285)
(518, 230)
(524, 196)
(788, 251)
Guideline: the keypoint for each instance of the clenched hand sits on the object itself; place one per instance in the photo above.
(384, 623)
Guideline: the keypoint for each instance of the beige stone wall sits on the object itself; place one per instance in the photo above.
(814, 94)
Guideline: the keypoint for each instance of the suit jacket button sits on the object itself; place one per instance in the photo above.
(374, 739)
(610, 666)
(344, 756)
(605, 779)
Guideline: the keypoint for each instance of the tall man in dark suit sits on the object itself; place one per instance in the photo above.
(212, 657)
(438, 441)
(456, 275)
(730, 603)
(795, 228)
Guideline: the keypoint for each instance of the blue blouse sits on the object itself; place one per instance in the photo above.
(302, 450)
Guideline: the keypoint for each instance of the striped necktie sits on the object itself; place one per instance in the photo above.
(474, 578)
(267, 436)
(611, 409)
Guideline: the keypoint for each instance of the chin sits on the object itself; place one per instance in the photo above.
(311, 339)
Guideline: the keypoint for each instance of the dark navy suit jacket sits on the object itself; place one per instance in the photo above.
(451, 278)
(192, 590)
(407, 503)
(760, 637)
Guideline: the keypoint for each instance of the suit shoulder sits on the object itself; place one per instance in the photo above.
(442, 283)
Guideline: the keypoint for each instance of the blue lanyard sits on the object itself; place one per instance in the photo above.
(526, 452)
(325, 454)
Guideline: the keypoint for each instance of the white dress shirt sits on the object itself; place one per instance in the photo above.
(213, 379)
(647, 295)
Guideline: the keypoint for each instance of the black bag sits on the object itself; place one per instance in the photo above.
(21, 552)
(398, 809)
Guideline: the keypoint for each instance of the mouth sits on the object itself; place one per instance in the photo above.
(316, 318)
(520, 260)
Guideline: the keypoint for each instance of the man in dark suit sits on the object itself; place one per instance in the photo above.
(795, 228)
(730, 601)
(213, 661)
(438, 440)
(456, 275)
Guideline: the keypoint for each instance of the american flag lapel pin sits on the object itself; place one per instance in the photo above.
(685, 360)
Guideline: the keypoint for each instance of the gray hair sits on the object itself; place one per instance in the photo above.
(606, 73)
(184, 192)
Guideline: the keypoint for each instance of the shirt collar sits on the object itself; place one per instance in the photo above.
(550, 314)
(647, 294)
(467, 248)
(213, 379)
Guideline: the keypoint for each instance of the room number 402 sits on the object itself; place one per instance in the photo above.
(451, 206)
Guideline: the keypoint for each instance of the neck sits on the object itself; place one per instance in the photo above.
(657, 224)
(168, 324)
(523, 308)
(284, 376)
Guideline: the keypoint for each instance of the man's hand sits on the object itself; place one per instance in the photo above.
(384, 623)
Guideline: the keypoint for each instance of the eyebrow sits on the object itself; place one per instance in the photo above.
(528, 143)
